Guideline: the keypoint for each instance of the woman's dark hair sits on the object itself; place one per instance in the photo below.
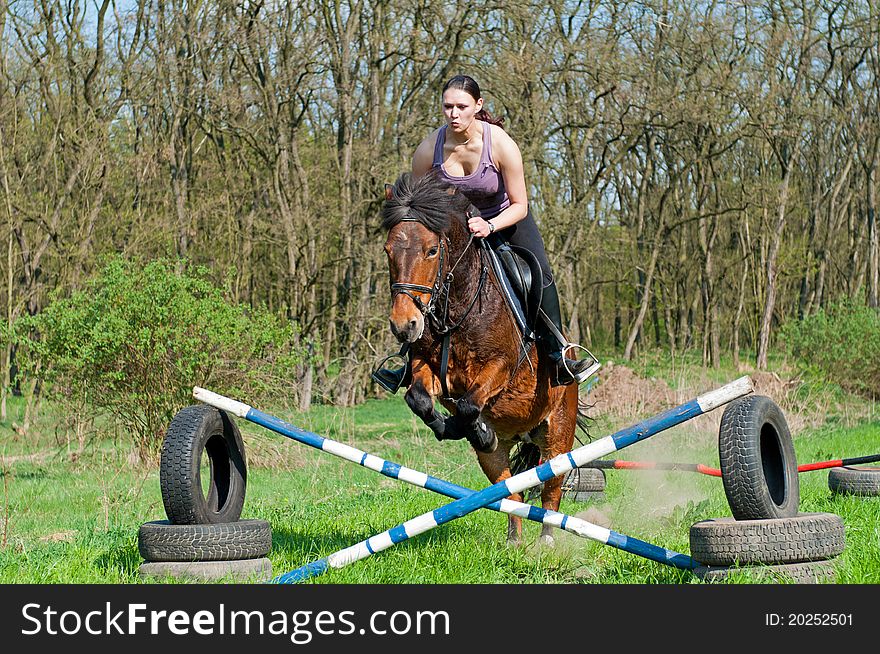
(469, 85)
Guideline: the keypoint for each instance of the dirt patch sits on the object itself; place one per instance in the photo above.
(621, 393)
(773, 386)
(784, 391)
(624, 397)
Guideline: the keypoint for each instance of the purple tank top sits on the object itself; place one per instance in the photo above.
(485, 186)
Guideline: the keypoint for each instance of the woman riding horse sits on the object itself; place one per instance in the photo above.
(473, 153)
(464, 341)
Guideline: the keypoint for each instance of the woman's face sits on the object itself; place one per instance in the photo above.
(459, 109)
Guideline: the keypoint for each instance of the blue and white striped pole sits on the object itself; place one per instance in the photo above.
(523, 481)
(393, 470)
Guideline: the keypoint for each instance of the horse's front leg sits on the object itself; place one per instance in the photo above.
(464, 424)
(420, 399)
(466, 421)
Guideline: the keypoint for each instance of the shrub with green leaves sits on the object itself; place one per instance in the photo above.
(841, 343)
(137, 338)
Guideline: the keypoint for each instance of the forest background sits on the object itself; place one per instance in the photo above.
(702, 173)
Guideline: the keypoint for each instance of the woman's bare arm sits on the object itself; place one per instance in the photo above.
(508, 158)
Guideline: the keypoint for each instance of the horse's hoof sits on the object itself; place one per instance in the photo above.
(484, 439)
(438, 426)
(489, 447)
(444, 429)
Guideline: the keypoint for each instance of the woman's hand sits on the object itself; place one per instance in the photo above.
(479, 227)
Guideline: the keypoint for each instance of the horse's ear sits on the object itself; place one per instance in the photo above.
(389, 191)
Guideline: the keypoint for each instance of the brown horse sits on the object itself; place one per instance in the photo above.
(443, 289)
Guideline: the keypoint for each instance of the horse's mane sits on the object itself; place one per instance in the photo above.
(428, 199)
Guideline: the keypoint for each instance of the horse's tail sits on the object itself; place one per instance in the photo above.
(584, 420)
(527, 456)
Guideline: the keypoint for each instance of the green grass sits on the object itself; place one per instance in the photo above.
(75, 519)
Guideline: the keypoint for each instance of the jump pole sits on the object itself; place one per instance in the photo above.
(568, 523)
(556, 466)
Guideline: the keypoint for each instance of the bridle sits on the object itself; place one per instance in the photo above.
(440, 288)
(406, 288)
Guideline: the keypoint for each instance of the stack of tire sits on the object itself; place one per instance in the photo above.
(766, 534)
(584, 485)
(204, 538)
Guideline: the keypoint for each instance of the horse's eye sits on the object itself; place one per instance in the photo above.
(432, 252)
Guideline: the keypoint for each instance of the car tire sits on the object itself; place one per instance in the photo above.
(246, 570)
(197, 432)
(245, 539)
(802, 538)
(584, 485)
(854, 481)
(809, 572)
(758, 463)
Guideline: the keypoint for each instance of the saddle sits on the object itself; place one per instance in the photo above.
(520, 277)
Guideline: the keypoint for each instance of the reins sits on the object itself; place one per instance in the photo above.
(440, 326)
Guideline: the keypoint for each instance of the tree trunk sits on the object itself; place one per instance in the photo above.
(771, 271)
(646, 293)
(745, 247)
(873, 259)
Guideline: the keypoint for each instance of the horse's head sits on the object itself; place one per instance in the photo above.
(417, 215)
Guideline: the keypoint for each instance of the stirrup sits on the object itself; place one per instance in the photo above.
(392, 380)
(571, 376)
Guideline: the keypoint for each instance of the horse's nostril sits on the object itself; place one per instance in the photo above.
(412, 324)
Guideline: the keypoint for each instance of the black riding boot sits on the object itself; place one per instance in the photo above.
(392, 379)
(549, 330)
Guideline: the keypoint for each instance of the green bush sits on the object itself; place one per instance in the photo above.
(841, 344)
(135, 341)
